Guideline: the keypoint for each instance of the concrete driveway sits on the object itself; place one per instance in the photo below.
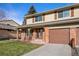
(51, 50)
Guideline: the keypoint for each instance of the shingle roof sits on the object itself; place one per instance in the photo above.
(54, 10)
(8, 24)
(11, 22)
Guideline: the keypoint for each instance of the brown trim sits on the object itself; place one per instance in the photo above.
(33, 20)
(55, 16)
(43, 17)
(72, 12)
(25, 20)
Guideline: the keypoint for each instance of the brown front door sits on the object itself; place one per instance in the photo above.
(59, 36)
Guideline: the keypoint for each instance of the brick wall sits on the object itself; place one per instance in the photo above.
(46, 36)
(77, 35)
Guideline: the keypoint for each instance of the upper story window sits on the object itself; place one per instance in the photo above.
(62, 14)
(66, 13)
(38, 18)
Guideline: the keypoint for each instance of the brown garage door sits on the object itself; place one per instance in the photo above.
(77, 34)
(59, 36)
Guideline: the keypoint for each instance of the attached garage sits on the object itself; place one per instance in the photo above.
(59, 36)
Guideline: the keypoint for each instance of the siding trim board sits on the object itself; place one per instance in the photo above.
(43, 17)
(70, 26)
(33, 20)
(55, 15)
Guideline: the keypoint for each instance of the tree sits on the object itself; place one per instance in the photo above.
(24, 22)
(31, 10)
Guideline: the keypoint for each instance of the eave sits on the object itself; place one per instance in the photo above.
(51, 11)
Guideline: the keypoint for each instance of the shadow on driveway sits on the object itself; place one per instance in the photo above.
(75, 51)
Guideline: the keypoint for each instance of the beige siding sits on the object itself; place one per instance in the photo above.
(49, 17)
(76, 12)
(29, 20)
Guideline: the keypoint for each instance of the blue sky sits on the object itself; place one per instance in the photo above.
(16, 11)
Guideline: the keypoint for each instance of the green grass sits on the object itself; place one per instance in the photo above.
(16, 48)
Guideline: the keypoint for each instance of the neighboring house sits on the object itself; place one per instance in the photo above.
(8, 29)
(58, 26)
(10, 22)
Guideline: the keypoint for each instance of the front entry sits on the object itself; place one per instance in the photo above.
(35, 33)
(39, 33)
(59, 36)
(37, 36)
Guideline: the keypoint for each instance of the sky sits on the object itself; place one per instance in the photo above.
(16, 11)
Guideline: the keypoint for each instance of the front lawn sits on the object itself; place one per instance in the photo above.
(16, 48)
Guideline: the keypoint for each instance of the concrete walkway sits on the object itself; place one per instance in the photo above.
(51, 50)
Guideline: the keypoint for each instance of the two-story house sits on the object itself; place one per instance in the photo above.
(58, 26)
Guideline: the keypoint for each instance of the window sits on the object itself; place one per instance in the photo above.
(66, 13)
(62, 14)
(38, 18)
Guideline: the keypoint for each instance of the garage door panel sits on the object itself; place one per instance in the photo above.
(59, 36)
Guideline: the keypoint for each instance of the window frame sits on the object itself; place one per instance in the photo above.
(66, 13)
(38, 18)
(60, 14)
(63, 13)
